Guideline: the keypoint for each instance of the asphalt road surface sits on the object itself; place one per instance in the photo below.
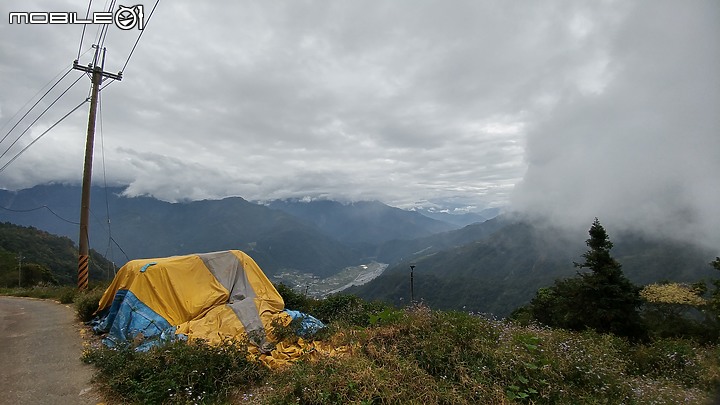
(40, 347)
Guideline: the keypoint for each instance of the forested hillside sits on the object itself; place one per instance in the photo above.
(29, 255)
(503, 271)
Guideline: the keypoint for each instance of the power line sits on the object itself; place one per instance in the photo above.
(107, 200)
(139, 36)
(110, 236)
(36, 120)
(82, 37)
(41, 135)
(105, 27)
(34, 105)
(98, 34)
(39, 208)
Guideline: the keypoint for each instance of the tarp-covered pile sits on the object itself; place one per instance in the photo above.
(210, 296)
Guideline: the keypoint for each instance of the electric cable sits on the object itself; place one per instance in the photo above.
(104, 167)
(39, 208)
(98, 33)
(139, 36)
(104, 31)
(111, 238)
(38, 118)
(40, 136)
(34, 105)
(82, 37)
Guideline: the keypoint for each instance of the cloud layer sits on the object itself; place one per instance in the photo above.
(566, 109)
(644, 151)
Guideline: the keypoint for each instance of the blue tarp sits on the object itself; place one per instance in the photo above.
(309, 325)
(128, 318)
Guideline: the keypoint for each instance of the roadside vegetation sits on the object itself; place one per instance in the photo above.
(592, 339)
(421, 356)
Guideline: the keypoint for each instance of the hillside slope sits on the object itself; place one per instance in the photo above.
(146, 227)
(57, 254)
(503, 271)
(363, 222)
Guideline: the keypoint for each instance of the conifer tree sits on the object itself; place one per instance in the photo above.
(611, 300)
(602, 299)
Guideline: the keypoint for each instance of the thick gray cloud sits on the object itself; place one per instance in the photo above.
(643, 150)
(405, 101)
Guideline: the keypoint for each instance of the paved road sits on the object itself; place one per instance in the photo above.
(40, 347)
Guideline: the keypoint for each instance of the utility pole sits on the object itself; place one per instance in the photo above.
(97, 77)
(412, 284)
(20, 258)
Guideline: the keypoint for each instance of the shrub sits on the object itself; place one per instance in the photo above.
(675, 359)
(86, 303)
(67, 295)
(359, 380)
(339, 308)
(347, 309)
(179, 372)
(417, 355)
(295, 300)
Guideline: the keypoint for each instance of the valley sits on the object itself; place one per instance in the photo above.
(314, 286)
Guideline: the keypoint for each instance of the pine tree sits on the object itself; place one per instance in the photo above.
(611, 300)
(602, 299)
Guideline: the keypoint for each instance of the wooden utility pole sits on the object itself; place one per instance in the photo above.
(412, 284)
(20, 259)
(97, 76)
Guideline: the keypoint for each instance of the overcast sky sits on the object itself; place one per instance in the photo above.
(567, 109)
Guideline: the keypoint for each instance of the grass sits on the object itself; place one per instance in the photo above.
(421, 356)
(64, 294)
(179, 372)
(411, 356)
(455, 358)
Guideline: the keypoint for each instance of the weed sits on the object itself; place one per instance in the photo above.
(417, 356)
(675, 359)
(530, 377)
(385, 317)
(86, 303)
(67, 295)
(178, 372)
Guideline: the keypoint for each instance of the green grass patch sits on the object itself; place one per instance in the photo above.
(420, 356)
(178, 373)
(64, 294)
(86, 303)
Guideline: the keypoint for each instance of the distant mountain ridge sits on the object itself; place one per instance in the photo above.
(320, 238)
(502, 271)
(460, 219)
(363, 222)
(494, 266)
(146, 227)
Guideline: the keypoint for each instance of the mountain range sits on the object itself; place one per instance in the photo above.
(491, 266)
(320, 237)
(504, 268)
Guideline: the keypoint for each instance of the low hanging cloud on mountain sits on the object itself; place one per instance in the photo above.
(641, 150)
(560, 108)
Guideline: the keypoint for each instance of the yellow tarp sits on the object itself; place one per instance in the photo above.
(209, 296)
(214, 297)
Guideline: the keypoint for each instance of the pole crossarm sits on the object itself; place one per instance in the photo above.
(90, 69)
